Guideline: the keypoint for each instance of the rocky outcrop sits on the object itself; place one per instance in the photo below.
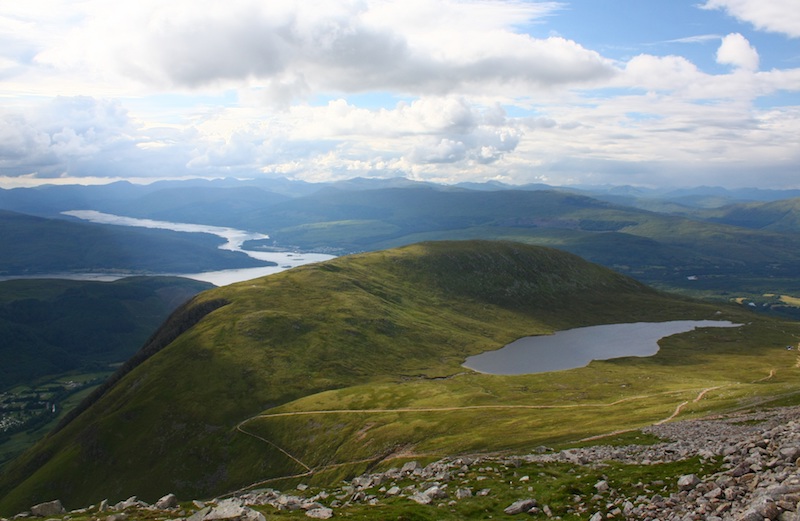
(756, 478)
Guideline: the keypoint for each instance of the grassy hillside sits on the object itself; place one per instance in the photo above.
(375, 333)
(34, 245)
(778, 216)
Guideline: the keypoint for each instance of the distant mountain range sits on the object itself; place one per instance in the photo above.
(36, 245)
(704, 239)
(49, 200)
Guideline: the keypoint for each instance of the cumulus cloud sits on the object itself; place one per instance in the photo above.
(447, 90)
(76, 136)
(780, 16)
(736, 50)
(296, 47)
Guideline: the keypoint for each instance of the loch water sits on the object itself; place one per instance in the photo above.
(577, 347)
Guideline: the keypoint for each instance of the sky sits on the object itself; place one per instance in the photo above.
(625, 92)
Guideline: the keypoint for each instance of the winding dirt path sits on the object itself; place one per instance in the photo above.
(240, 428)
(459, 408)
(310, 471)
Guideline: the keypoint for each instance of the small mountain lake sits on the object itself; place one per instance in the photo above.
(577, 347)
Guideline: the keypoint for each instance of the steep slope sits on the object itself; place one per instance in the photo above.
(383, 318)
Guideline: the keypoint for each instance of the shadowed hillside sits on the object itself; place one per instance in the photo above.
(35, 245)
(54, 326)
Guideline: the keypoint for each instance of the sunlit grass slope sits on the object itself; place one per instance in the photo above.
(385, 330)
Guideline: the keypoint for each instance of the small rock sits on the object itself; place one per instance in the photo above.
(765, 507)
(232, 508)
(420, 498)
(463, 493)
(435, 492)
(518, 507)
(200, 514)
(51, 508)
(790, 453)
(320, 513)
(168, 501)
(394, 491)
(409, 467)
(128, 503)
(311, 505)
(226, 509)
(688, 481)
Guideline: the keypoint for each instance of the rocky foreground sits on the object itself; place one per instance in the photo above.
(755, 457)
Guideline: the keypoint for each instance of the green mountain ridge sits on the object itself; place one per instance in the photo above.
(378, 331)
(775, 216)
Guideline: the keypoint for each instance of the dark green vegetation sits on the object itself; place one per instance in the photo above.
(29, 412)
(53, 326)
(329, 369)
(35, 245)
(62, 337)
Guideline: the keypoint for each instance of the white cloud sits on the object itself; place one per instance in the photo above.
(295, 47)
(449, 90)
(77, 137)
(780, 16)
(736, 50)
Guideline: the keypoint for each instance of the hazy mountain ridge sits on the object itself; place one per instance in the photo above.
(654, 238)
(651, 246)
(36, 245)
(776, 216)
(51, 326)
(379, 319)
